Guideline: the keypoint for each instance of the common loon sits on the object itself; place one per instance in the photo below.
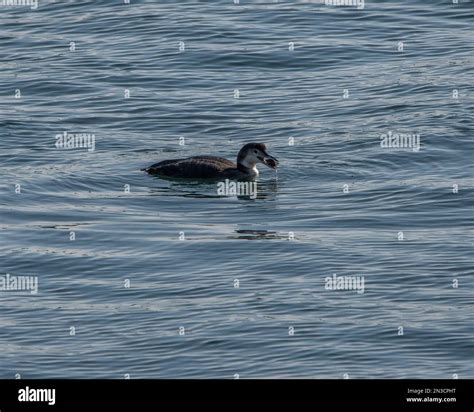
(212, 167)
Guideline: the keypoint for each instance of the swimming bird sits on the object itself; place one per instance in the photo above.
(212, 167)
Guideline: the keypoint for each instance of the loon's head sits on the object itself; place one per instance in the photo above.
(253, 153)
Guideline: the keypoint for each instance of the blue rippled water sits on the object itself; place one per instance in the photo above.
(331, 80)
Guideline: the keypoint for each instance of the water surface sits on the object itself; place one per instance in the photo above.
(302, 227)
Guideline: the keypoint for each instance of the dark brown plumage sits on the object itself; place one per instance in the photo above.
(212, 167)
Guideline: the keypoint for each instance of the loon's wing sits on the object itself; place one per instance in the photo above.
(199, 167)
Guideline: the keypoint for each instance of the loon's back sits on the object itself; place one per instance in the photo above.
(198, 167)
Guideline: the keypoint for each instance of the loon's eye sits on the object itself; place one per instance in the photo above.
(255, 151)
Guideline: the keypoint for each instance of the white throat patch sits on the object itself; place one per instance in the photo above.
(250, 166)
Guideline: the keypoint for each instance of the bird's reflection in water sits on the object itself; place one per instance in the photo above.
(263, 190)
(267, 189)
(257, 235)
(205, 189)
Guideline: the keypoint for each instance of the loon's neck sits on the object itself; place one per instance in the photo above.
(248, 169)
